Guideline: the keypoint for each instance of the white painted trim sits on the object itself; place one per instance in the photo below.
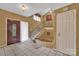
(6, 31)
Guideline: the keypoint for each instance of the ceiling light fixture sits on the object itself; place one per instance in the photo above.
(23, 7)
(50, 11)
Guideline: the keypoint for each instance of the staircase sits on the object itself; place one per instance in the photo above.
(37, 32)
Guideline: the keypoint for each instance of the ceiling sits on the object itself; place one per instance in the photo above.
(33, 8)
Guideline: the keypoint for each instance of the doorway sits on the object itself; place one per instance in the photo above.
(13, 31)
(17, 31)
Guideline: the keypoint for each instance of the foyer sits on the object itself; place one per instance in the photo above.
(39, 29)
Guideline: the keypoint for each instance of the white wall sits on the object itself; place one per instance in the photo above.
(23, 31)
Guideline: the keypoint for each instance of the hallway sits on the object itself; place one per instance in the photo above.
(28, 49)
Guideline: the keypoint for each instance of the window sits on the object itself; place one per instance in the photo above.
(36, 18)
(13, 30)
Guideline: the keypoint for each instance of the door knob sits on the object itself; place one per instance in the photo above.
(58, 34)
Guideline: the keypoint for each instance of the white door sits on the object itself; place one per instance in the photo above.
(66, 32)
(24, 31)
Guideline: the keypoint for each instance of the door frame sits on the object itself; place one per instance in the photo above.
(6, 27)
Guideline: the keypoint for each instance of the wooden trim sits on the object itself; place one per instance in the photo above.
(6, 27)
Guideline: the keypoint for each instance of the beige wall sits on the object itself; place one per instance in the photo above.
(69, 7)
(5, 14)
(32, 24)
(51, 24)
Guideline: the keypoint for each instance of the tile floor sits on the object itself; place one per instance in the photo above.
(28, 49)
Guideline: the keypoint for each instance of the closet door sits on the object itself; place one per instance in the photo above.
(66, 32)
(59, 31)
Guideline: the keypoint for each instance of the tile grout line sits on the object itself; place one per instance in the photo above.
(4, 51)
(13, 51)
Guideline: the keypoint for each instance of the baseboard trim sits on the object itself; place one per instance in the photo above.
(3, 45)
(62, 52)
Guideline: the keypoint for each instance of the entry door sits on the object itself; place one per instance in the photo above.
(66, 32)
(13, 31)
